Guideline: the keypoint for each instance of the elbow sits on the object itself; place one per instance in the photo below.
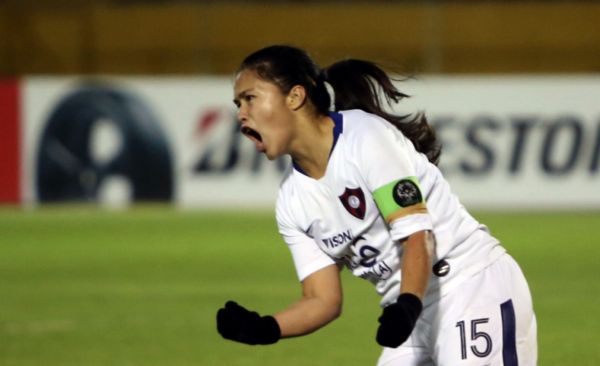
(336, 313)
(336, 310)
(329, 309)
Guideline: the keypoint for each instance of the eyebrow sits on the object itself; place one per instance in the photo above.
(241, 95)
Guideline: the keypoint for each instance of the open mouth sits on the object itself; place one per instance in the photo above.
(251, 133)
(255, 137)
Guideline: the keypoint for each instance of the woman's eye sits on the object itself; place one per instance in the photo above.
(249, 97)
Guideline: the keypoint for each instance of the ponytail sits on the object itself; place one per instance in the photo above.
(357, 85)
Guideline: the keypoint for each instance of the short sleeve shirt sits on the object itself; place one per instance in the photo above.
(376, 191)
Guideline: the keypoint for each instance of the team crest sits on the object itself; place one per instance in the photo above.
(354, 202)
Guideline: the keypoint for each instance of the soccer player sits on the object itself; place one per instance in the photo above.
(364, 192)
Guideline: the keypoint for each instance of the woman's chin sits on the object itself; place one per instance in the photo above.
(270, 156)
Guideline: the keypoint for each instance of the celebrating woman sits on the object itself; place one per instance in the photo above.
(364, 192)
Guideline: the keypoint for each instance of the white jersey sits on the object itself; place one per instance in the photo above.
(377, 190)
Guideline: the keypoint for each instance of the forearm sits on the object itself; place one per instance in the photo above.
(307, 315)
(398, 319)
(321, 303)
(416, 263)
(238, 324)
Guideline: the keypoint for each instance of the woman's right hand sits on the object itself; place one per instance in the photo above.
(236, 323)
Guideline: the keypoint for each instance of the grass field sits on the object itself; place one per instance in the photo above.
(80, 286)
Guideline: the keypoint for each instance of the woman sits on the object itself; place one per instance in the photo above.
(364, 192)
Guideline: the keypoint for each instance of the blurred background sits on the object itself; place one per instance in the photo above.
(131, 207)
(211, 37)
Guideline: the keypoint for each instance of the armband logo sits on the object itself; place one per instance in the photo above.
(406, 193)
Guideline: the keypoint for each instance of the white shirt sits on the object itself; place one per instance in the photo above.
(337, 220)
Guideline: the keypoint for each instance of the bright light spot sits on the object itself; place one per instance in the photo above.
(115, 192)
(106, 141)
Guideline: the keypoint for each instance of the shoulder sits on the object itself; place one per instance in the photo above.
(357, 120)
(362, 128)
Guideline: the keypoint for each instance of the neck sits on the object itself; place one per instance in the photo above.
(312, 146)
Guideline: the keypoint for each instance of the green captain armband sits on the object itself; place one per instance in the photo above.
(400, 198)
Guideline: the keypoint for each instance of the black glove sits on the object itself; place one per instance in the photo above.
(398, 320)
(238, 324)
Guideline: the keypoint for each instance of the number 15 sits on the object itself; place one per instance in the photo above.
(474, 335)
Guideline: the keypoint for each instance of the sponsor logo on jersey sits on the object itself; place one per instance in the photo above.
(353, 201)
(368, 255)
(406, 193)
(338, 239)
(379, 271)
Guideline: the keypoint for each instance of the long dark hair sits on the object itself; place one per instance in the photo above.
(356, 84)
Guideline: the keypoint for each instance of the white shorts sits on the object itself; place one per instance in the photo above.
(486, 320)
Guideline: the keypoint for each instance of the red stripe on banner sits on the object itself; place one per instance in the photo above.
(10, 142)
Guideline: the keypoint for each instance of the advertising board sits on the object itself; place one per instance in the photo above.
(510, 142)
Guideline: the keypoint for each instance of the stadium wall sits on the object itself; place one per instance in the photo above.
(90, 37)
(509, 142)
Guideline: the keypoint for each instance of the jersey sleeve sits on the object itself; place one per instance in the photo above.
(308, 257)
(384, 158)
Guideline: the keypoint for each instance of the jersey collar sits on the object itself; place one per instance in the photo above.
(338, 128)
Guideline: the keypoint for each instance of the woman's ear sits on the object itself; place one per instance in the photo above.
(296, 97)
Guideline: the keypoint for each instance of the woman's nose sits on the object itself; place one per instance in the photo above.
(241, 116)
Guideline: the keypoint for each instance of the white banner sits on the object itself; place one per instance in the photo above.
(517, 142)
(509, 142)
